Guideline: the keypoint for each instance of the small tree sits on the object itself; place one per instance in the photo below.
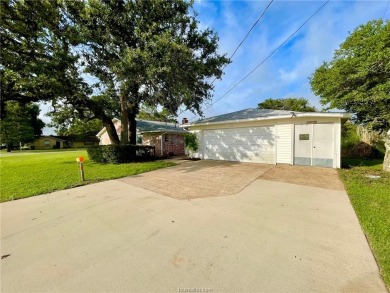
(357, 79)
(20, 125)
(191, 142)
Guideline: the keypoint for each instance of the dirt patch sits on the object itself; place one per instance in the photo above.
(198, 179)
(305, 175)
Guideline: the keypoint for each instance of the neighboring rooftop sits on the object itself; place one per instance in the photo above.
(146, 126)
(78, 137)
(157, 126)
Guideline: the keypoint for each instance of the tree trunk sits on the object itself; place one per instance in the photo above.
(386, 161)
(107, 122)
(111, 131)
(133, 109)
(9, 148)
(124, 120)
(133, 125)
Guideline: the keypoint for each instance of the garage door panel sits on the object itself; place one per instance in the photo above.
(255, 144)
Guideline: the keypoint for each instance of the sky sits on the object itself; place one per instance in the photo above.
(286, 73)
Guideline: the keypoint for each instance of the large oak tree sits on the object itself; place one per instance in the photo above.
(149, 52)
(136, 52)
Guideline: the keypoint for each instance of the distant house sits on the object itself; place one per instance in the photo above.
(167, 138)
(45, 142)
(80, 140)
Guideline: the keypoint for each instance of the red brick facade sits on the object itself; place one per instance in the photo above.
(172, 144)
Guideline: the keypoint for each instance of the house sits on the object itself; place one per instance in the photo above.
(80, 140)
(167, 138)
(271, 137)
(58, 142)
(45, 142)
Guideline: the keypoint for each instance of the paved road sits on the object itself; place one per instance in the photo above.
(112, 236)
(30, 153)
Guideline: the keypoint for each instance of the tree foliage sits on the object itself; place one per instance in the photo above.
(292, 104)
(41, 59)
(357, 79)
(90, 54)
(21, 125)
(191, 142)
(151, 113)
(36, 62)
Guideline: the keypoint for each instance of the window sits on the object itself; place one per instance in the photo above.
(47, 142)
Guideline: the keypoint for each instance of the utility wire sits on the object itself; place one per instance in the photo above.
(264, 60)
(253, 26)
(243, 40)
(387, 7)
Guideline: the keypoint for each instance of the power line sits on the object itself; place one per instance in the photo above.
(387, 7)
(246, 36)
(264, 60)
(243, 40)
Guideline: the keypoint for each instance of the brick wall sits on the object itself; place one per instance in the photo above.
(172, 143)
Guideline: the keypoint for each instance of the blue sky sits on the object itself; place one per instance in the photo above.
(287, 72)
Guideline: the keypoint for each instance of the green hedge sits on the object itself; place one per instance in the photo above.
(117, 154)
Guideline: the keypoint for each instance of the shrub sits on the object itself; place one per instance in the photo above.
(352, 145)
(191, 142)
(381, 149)
(117, 154)
(362, 150)
(349, 137)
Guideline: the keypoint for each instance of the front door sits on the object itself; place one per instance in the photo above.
(314, 145)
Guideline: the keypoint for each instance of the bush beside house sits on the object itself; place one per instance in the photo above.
(118, 154)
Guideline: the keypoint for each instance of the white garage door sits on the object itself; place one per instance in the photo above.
(251, 144)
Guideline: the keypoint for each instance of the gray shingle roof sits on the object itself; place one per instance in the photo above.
(156, 126)
(250, 113)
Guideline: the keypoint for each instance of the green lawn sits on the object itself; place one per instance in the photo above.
(371, 201)
(29, 173)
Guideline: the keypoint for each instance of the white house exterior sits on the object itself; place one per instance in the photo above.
(271, 137)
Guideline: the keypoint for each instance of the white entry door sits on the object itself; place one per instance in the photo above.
(248, 144)
(314, 144)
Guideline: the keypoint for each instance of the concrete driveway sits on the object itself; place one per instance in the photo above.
(116, 237)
